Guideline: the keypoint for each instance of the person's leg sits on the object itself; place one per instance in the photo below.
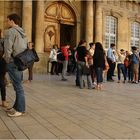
(118, 68)
(109, 72)
(80, 74)
(132, 71)
(89, 82)
(65, 64)
(30, 70)
(3, 91)
(113, 68)
(16, 78)
(77, 76)
(123, 72)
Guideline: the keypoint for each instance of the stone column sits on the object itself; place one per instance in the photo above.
(39, 27)
(98, 24)
(2, 15)
(89, 22)
(27, 18)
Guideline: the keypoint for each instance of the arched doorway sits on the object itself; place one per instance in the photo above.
(60, 25)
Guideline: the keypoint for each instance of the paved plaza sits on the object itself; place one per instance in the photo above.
(60, 110)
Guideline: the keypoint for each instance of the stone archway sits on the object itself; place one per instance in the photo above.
(59, 18)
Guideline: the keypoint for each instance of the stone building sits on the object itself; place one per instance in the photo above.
(54, 22)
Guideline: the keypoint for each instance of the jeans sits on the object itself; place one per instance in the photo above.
(16, 78)
(99, 74)
(64, 70)
(120, 68)
(80, 67)
(2, 87)
(30, 70)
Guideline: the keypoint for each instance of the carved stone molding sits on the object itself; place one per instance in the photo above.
(59, 11)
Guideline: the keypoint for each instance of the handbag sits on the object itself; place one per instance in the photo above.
(24, 59)
(35, 55)
(86, 70)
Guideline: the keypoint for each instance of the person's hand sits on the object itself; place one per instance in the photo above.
(87, 65)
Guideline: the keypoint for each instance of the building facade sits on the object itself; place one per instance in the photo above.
(55, 22)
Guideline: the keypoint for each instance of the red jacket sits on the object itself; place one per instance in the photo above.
(64, 50)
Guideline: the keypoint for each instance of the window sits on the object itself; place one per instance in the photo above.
(135, 34)
(110, 30)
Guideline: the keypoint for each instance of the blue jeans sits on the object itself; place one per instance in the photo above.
(16, 78)
(99, 74)
(120, 68)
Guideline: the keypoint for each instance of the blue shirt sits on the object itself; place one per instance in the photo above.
(135, 58)
(110, 54)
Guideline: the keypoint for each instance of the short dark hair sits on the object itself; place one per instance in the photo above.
(91, 44)
(112, 45)
(134, 48)
(15, 18)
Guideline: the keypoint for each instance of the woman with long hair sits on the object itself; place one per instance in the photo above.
(99, 63)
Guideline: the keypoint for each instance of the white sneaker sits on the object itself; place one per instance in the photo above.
(15, 114)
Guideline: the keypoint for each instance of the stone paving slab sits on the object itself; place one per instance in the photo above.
(60, 110)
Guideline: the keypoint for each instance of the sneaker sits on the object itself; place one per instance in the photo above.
(110, 80)
(15, 114)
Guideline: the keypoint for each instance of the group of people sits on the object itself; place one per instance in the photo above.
(82, 60)
(97, 64)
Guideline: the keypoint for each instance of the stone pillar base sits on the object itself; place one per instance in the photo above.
(41, 66)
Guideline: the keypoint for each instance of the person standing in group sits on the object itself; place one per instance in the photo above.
(99, 63)
(30, 68)
(15, 42)
(135, 64)
(91, 53)
(111, 62)
(65, 52)
(2, 73)
(53, 59)
(82, 63)
(120, 65)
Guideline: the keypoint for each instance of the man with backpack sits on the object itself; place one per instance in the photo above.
(15, 42)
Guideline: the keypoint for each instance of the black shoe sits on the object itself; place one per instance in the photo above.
(110, 80)
(64, 79)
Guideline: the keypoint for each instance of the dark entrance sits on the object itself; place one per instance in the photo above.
(67, 34)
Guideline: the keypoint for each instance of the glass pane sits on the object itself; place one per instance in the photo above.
(110, 29)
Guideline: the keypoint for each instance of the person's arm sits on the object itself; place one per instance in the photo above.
(8, 45)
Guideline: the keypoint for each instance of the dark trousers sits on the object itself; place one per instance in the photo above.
(129, 73)
(54, 67)
(92, 73)
(2, 87)
(111, 69)
(30, 70)
(120, 67)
